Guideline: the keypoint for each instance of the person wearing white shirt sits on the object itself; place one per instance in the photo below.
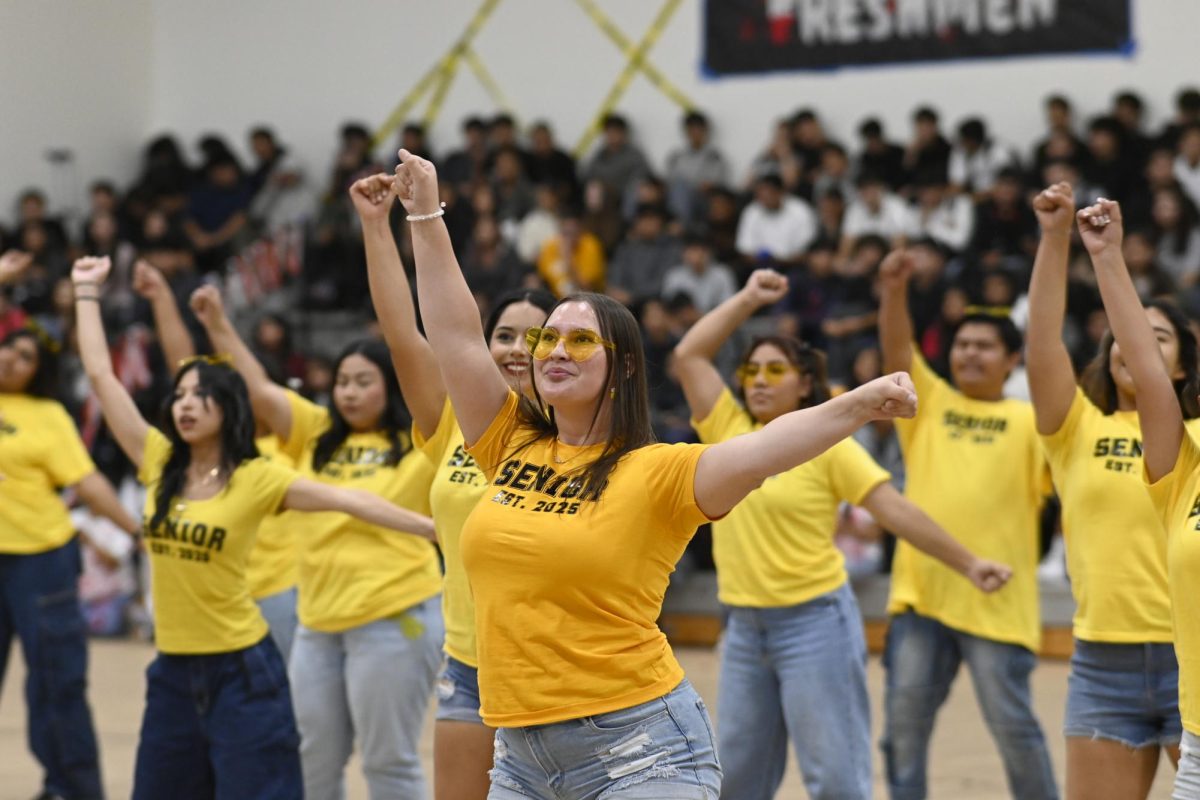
(705, 283)
(1187, 163)
(948, 219)
(776, 226)
(875, 211)
(976, 160)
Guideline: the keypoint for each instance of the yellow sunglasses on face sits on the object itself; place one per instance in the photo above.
(773, 373)
(580, 344)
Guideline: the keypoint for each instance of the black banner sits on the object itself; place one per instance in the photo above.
(748, 36)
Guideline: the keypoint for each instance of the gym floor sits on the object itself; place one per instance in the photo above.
(963, 763)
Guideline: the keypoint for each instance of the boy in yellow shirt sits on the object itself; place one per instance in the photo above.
(974, 464)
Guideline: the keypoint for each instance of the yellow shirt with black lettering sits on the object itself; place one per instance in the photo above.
(1176, 498)
(775, 548)
(352, 572)
(40, 455)
(1116, 553)
(274, 561)
(457, 486)
(569, 578)
(199, 553)
(977, 468)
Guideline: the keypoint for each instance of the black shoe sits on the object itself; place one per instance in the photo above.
(49, 796)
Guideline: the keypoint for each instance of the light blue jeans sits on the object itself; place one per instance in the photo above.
(659, 750)
(796, 672)
(1187, 779)
(373, 683)
(922, 659)
(279, 610)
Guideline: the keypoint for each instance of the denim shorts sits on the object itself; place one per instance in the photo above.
(1127, 693)
(458, 692)
(659, 750)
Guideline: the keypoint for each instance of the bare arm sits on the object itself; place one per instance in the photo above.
(694, 355)
(905, 519)
(173, 335)
(729, 471)
(120, 413)
(1157, 404)
(1051, 376)
(13, 264)
(416, 367)
(895, 321)
(477, 389)
(268, 399)
(99, 496)
(309, 495)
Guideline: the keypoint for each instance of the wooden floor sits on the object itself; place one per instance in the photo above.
(963, 764)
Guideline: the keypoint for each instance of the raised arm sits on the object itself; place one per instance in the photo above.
(416, 368)
(693, 362)
(268, 399)
(173, 335)
(895, 321)
(310, 495)
(477, 389)
(1157, 404)
(729, 471)
(120, 413)
(904, 518)
(1051, 376)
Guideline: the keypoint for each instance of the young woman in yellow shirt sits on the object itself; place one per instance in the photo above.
(368, 647)
(218, 718)
(1122, 695)
(462, 744)
(569, 552)
(41, 454)
(793, 658)
(1170, 465)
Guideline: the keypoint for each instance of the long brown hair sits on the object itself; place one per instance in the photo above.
(1097, 382)
(625, 373)
(808, 360)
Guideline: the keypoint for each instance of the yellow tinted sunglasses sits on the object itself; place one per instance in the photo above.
(217, 360)
(773, 373)
(580, 344)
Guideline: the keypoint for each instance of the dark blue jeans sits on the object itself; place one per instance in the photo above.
(219, 726)
(39, 603)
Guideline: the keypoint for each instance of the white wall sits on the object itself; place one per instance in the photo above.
(76, 70)
(74, 74)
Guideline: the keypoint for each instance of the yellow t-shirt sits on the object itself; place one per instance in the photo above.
(1116, 553)
(274, 561)
(457, 486)
(40, 454)
(198, 555)
(1176, 498)
(351, 572)
(775, 548)
(977, 469)
(569, 578)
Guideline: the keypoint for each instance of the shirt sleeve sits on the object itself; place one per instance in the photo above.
(1060, 445)
(68, 461)
(726, 420)
(1170, 492)
(154, 457)
(931, 393)
(670, 478)
(433, 447)
(853, 474)
(489, 450)
(271, 482)
(309, 421)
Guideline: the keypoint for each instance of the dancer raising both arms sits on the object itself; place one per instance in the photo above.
(462, 744)
(218, 718)
(1123, 692)
(570, 550)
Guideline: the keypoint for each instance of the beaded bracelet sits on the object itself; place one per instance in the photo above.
(423, 217)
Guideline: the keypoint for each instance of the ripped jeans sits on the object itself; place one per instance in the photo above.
(660, 750)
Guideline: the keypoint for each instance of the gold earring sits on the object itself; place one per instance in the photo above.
(612, 393)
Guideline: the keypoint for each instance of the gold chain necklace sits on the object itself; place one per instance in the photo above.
(207, 480)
